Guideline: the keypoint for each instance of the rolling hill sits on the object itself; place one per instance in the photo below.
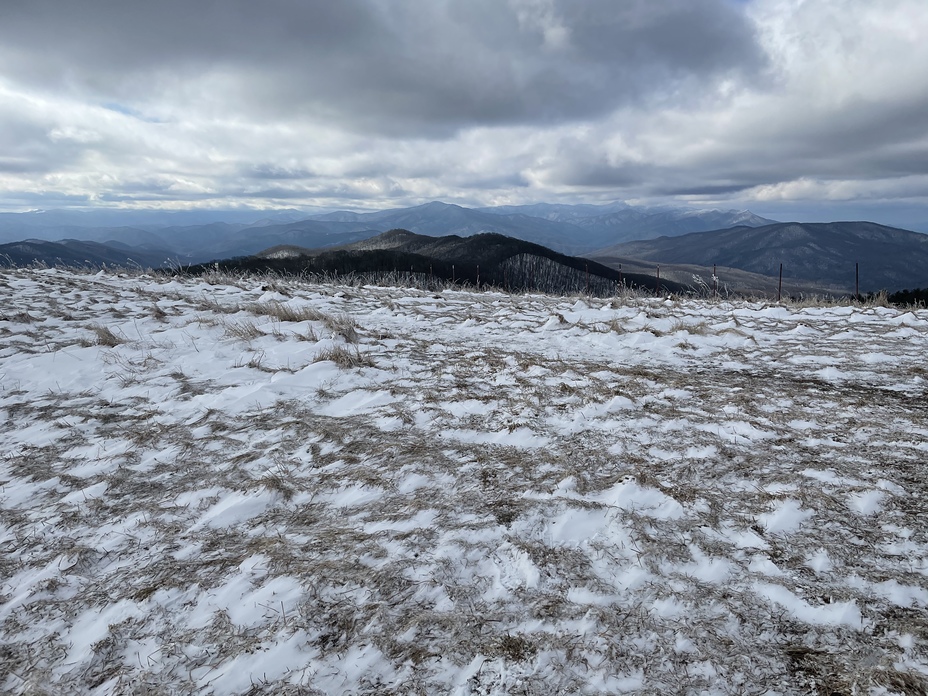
(824, 253)
(482, 259)
(75, 253)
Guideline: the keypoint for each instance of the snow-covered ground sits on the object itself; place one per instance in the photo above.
(312, 489)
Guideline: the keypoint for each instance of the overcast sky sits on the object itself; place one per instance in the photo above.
(795, 109)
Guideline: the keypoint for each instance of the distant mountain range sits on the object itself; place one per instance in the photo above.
(483, 259)
(569, 229)
(576, 229)
(816, 257)
(824, 253)
(612, 224)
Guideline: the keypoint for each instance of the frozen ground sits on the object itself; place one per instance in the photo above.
(235, 488)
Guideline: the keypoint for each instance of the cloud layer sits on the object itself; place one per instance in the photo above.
(765, 103)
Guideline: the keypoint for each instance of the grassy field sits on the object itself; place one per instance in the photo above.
(252, 486)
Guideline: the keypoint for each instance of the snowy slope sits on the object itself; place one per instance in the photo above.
(245, 487)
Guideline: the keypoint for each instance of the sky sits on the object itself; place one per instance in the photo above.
(807, 110)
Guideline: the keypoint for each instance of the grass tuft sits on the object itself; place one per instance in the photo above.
(245, 330)
(104, 336)
(344, 357)
(286, 312)
(344, 326)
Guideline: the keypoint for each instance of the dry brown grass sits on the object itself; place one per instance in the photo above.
(104, 336)
(286, 312)
(366, 577)
(244, 330)
(344, 357)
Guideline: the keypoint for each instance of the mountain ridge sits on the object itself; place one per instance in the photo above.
(828, 253)
(479, 260)
(83, 254)
(569, 229)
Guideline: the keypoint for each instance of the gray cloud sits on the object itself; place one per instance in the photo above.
(711, 189)
(275, 172)
(763, 104)
(27, 145)
(395, 66)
